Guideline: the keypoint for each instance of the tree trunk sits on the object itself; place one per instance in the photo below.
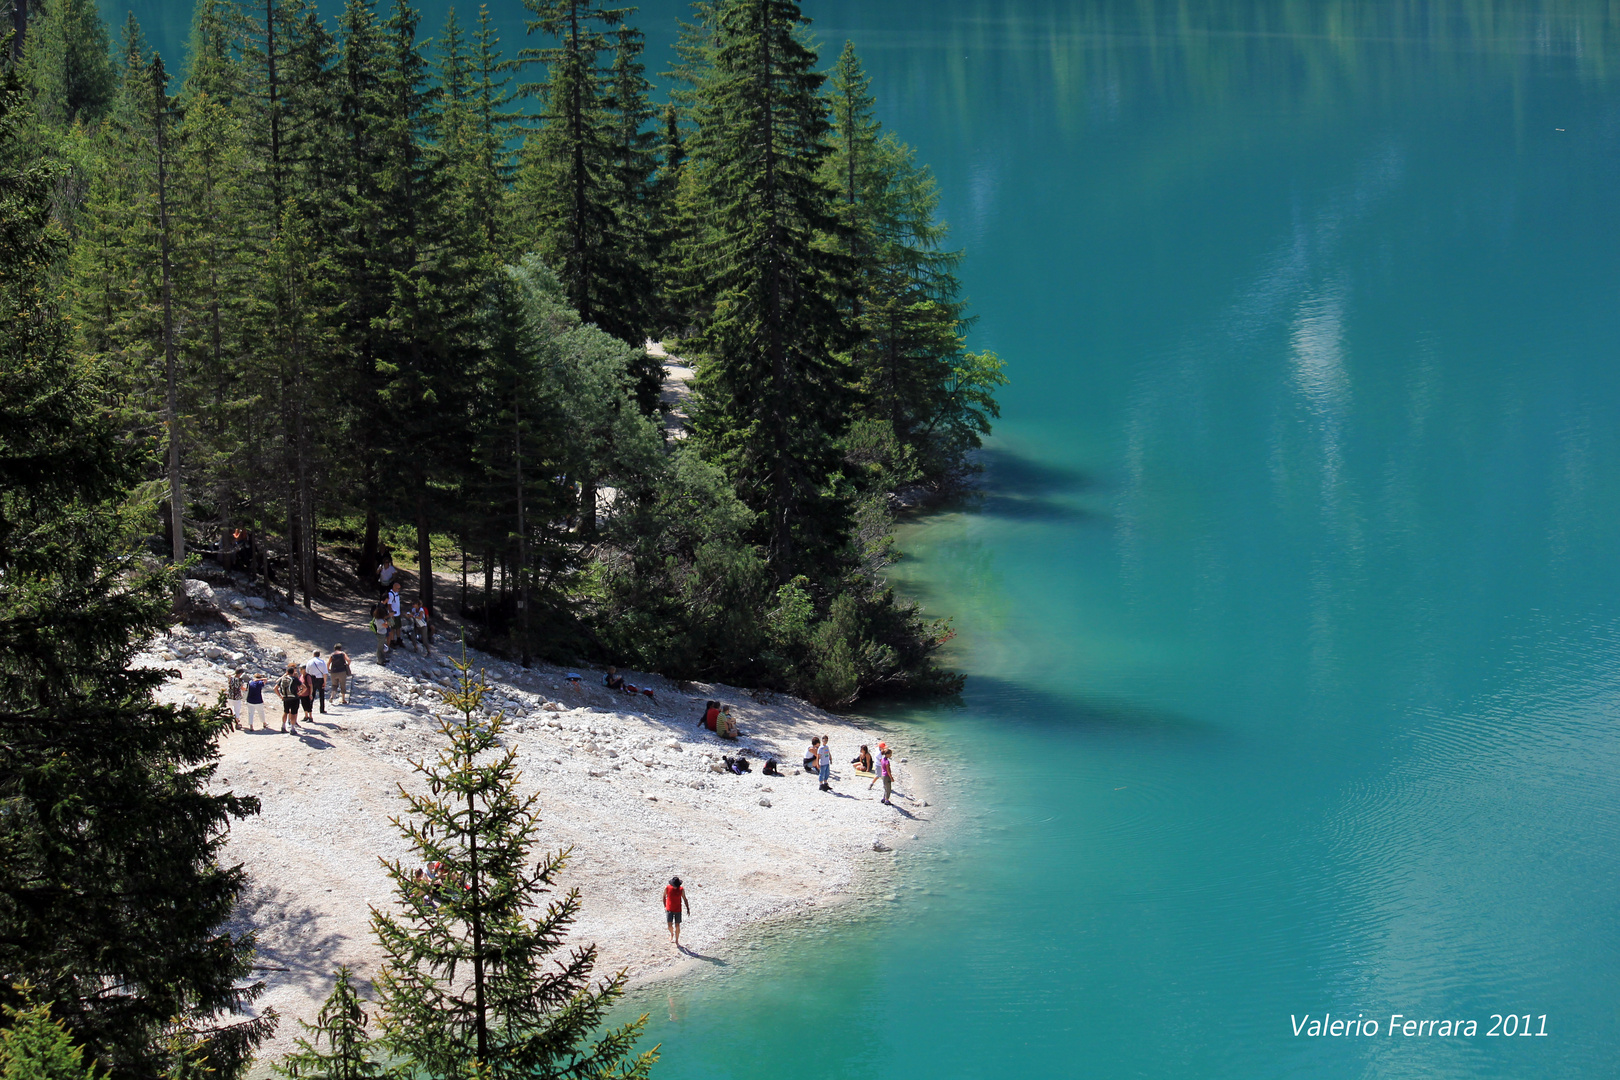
(19, 27)
(294, 543)
(171, 404)
(523, 536)
(424, 554)
(489, 581)
(480, 1010)
(587, 507)
(369, 555)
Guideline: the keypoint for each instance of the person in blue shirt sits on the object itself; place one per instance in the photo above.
(255, 701)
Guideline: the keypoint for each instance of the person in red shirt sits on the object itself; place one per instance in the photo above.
(674, 897)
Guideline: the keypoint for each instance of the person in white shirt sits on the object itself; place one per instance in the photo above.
(824, 763)
(315, 668)
(393, 616)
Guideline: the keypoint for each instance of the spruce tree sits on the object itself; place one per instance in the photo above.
(113, 901)
(569, 187)
(635, 162)
(33, 1046)
(923, 401)
(435, 275)
(337, 1046)
(68, 62)
(773, 381)
(473, 979)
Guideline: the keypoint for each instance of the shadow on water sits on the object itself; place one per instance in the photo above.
(1025, 477)
(1020, 488)
(1099, 717)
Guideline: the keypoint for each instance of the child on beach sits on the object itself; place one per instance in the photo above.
(811, 753)
(824, 763)
(674, 897)
(886, 774)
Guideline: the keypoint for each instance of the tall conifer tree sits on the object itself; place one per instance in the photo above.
(113, 901)
(773, 381)
(472, 980)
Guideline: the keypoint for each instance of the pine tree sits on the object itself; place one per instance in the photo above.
(113, 900)
(435, 278)
(772, 381)
(162, 119)
(856, 128)
(341, 1025)
(33, 1046)
(668, 227)
(214, 237)
(928, 397)
(635, 162)
(471, 980)
(568, 188)
(69, 63)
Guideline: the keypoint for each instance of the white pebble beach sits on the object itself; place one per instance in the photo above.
(629, 782)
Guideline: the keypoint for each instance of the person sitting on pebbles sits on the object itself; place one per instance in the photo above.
(725, 725)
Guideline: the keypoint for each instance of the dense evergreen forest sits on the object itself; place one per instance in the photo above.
(341, 289)
(354, 289)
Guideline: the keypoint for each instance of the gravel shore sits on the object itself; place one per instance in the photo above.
(634, 785)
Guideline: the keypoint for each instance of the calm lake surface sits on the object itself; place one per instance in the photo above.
(1291, 608)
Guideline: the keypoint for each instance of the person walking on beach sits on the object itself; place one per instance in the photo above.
(255, 702)
(235, 687)
(674, 898)
(317, 669)
(824, 763)
(885, 772)
(338, 668)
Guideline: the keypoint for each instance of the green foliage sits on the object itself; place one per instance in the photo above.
(68, 63)
(371, 306)
(33, 1046)
(773, 383)
(473, 981)
(113, 900)
(582, 183)
(338, 1046)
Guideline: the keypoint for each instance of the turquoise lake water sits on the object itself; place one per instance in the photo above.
(1291, 608)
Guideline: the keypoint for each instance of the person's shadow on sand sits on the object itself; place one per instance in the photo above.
(695, 955)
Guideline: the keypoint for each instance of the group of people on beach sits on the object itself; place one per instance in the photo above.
(818, 760)
(300, 687)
